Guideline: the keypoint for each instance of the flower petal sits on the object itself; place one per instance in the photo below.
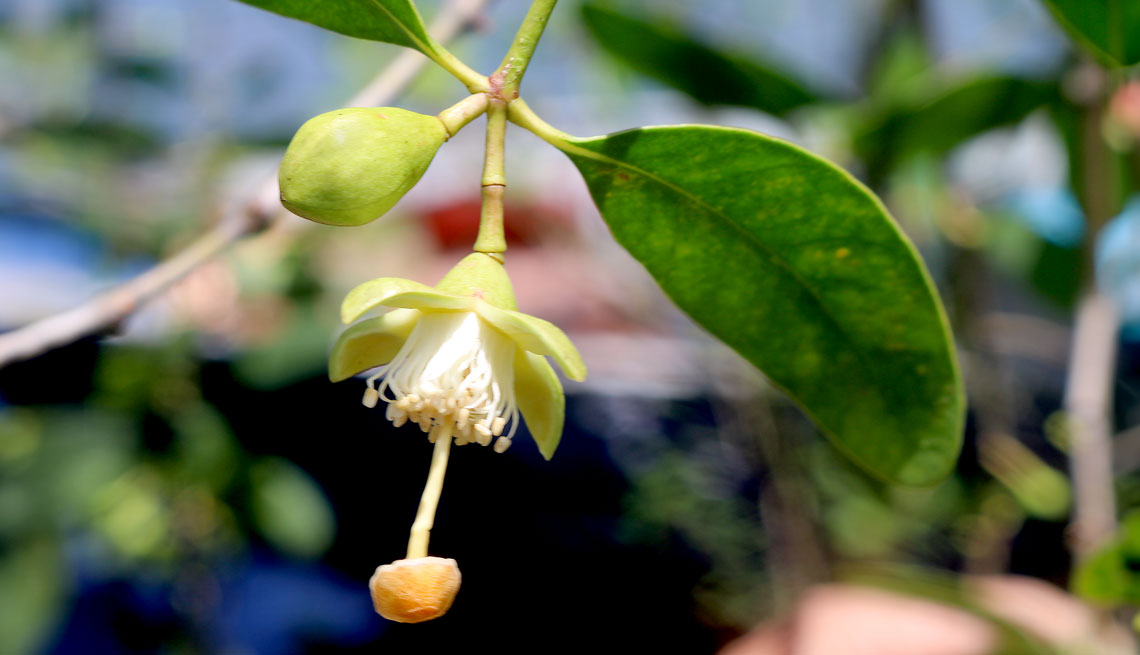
(538, 392)
(370, 343)
(538, 336)
(398, 292)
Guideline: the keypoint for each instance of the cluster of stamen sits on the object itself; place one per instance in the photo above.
(454, 377)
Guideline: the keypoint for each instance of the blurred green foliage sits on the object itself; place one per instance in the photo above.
(149, 475)
(1111, 576)
(656, 48)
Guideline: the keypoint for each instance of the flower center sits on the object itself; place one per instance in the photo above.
(454, 377)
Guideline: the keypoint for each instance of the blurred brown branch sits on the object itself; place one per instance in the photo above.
(1088, 402)
(109, 309)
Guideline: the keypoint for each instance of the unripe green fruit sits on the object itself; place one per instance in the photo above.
(349, 166)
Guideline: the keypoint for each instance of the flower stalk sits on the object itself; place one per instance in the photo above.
(425, 515)
(492, 236)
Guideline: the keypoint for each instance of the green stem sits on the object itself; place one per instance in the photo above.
(474, 82)
(522, 115)
(425, 516)
(462, 113)
(492, 237)
(505, 81)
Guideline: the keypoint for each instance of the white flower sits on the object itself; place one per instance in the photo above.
(460, 362)
(454, 376)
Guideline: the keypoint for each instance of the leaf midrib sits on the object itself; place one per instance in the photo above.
(419, 44)
(735, 225)
(862, 356)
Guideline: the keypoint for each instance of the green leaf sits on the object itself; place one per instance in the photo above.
(289, 509)
(538, 336)
(541, 400)
(1111, 574)
(32, 593)
(398, 292)
(948, 119)
(709, 75)
(391, 21)
(798, 267)
(1109, 29)
(370, 343)
(1103, 578)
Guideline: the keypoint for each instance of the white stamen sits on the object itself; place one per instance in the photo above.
(502, 444)
(454, 377)
(371, 397)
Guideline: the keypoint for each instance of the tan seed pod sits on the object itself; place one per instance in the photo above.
(415, 590)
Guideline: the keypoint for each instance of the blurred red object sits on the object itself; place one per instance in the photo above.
(456, 225)
(1124, 108)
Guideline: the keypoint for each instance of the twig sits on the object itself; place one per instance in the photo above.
(112, 307)
(1088, 403)
(1092, 359)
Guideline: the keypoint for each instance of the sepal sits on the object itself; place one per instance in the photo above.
(398, 292)
(370, 343)
(541, 400)
(537, 336)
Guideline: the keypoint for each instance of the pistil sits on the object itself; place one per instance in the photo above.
(425, 516)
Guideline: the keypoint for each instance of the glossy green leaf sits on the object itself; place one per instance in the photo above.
(398, 292)
(541, 400)
(370, 343)
(537, 336)
(948, 119)
(799, 268)
(391, 21)
(1110, 29)
(709, 75)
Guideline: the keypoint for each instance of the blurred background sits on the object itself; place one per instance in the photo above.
(191, 482)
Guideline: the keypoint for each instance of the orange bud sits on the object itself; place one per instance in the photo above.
(415, 590)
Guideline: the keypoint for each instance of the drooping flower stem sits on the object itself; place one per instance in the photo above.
(425, 516)
(491, 237)
(505, 81)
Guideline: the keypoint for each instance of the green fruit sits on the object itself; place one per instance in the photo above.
(349, 166)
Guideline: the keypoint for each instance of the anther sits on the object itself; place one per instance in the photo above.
(502, 444)
(497, 425)
(371, 397)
